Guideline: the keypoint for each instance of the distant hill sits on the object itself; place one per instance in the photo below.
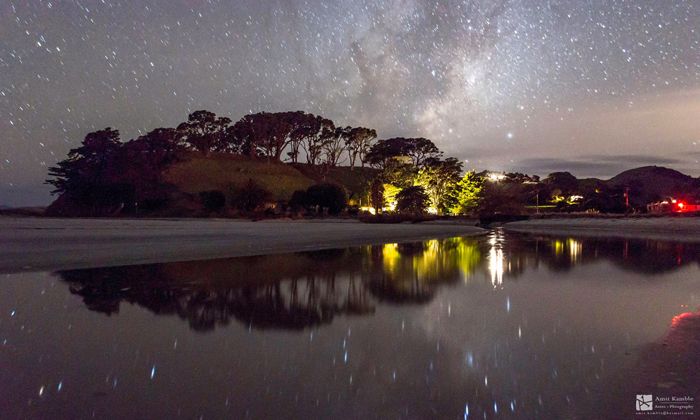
(650, 183)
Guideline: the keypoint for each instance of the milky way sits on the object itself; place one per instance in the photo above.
(589, 86)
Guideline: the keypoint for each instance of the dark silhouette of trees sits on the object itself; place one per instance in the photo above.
(327, 196)
(377, 195)
(307, 129)
(358, 143)
(265, 134)
(418, 150)
(319, 132)
(116, 177)
(205, 132)
(91, 177)
(335, 145)
(412, 200)
(250, 197)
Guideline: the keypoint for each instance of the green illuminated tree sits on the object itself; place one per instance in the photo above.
(468, 193)
(439, 178)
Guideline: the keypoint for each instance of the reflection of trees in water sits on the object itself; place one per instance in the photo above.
(290, 291)
(260, 301)
(643, 256)
(411, 273)
(295, 291)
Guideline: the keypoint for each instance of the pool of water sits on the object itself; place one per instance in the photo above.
(500, 326)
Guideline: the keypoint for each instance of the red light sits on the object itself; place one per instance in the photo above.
(681, 205)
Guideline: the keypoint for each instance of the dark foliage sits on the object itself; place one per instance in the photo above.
(205, 132)
(298, 201)
(214, 200)
(417, 149)
(250, 197)
(412, 200)
(327, 196)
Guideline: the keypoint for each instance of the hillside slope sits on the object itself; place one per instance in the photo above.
(199, 173)
(356, 180)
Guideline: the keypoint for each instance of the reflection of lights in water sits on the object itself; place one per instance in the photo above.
(391, 256)
(496, 258)
(558, 247)
(678, 318)
(575, 248)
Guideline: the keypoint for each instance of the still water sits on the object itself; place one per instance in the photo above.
(508, 326)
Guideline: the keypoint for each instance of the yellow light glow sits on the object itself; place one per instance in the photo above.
(495, 176)
(370, 210)
(575, 248)
(496, 261)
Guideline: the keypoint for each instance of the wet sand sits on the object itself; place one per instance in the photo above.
(44, 244)
(685, 229)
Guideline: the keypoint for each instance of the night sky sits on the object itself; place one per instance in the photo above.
(593, 87)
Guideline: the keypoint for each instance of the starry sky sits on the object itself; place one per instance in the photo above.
(593, 87)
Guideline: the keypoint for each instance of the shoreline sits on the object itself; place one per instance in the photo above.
(51, 244)
(681, 229)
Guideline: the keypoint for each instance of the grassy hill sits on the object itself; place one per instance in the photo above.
(356, 180)
(197, 173)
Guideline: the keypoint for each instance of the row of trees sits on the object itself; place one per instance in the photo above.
(415, 176)
(107, 172)
(276, 136)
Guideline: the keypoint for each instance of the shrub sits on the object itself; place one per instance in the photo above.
(213, 200)
(249, 197)
(298, 200)
(412, 200)
(326, 195)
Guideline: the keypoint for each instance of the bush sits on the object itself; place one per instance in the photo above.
(298, 201)
(213, 200)
(249, 197)
(412, 200)
(329, 196)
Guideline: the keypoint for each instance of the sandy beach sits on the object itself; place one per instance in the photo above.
(43, 244)
(685, 229)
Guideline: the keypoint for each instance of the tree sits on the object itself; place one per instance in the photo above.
(501, 198)
(468, 193)
(418, 150)
(142, 162)
(421, 149)
(358, 143)
(326, 195)
(88, 165)
(299, 200)
(306, 126)
(270, 134)
(335, 145)
(412, 200)
(205, 132)
(320, 132)
(439, 178)
(377, 195)
(250, 196)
